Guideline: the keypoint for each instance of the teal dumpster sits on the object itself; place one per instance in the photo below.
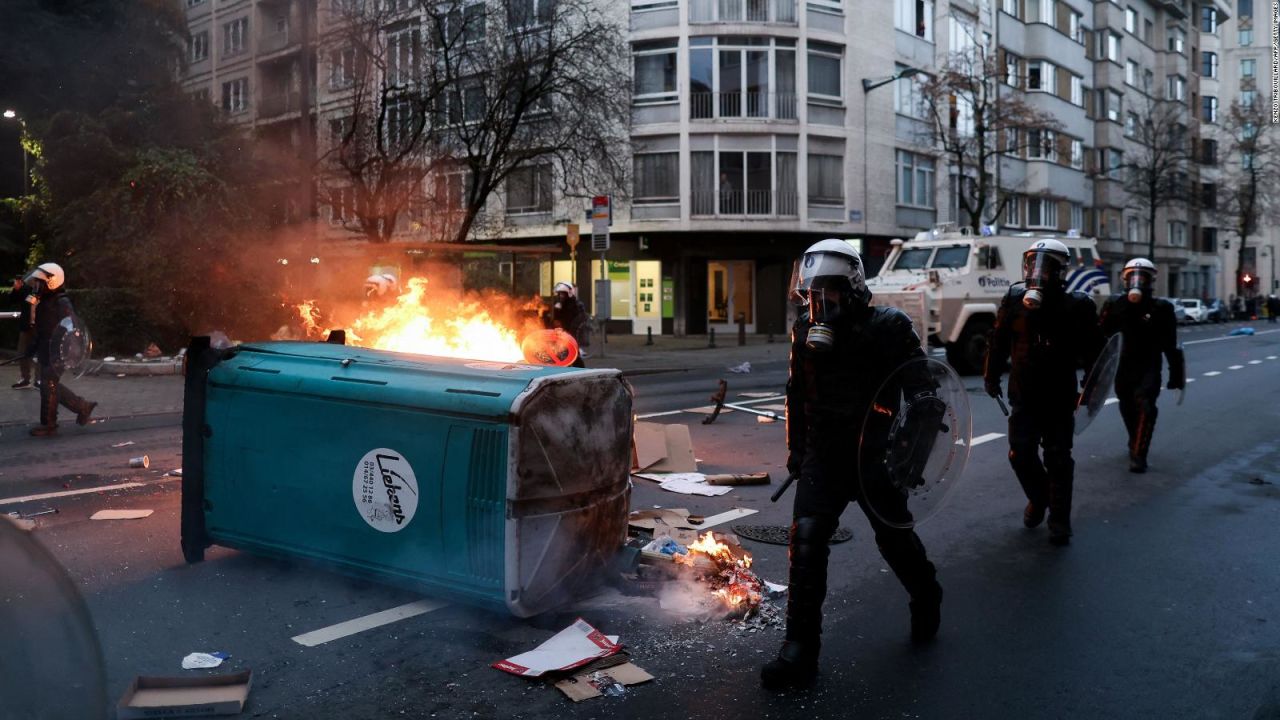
(493, 483)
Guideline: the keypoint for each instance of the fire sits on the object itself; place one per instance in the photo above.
(734, 582)
(440, 323)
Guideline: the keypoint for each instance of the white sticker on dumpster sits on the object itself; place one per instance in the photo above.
(385, 490)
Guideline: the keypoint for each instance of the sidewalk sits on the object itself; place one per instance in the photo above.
(143, 395)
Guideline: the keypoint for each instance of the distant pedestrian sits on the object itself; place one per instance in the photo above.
(53, 313)
(1237, 308)
(1273, 308)
(21, 294)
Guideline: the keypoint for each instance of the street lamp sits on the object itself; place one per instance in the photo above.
(869, 84)
(10, 114)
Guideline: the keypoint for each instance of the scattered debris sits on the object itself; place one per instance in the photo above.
(687, 483)
(572, 647)
(200, 661)
(21, 522)
(743, 368)
(176, 472)
(765, 420)
(149, 697)
(142, 461)
(1242, 331)
(152, 351)
(123, 444)
(649, 519)
(726, 516)
(121, 514)
(739, 479)
(663, 448)
(760, 395)
(610, 681)
(665, 546)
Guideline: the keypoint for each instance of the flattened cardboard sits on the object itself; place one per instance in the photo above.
(167, 697)
(673, 455)
(579, 687)
(650, 444)
(673, 517)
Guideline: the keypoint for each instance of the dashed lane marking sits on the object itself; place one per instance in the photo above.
(368, 622)
(1271, 357)
(1212, 373)
(68, 493)
(1235, 367)
(1255, 362)
(1228, 337)
(1111, 401)
(985, 439)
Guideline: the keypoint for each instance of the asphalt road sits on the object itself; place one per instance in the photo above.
(1166, 604)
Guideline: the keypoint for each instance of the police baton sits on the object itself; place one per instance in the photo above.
(1003, 408)
(785, 484)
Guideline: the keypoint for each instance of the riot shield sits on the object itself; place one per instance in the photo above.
(72, 346)
(1098, 386)
(915, 442)
(52, 659)
(549, 347)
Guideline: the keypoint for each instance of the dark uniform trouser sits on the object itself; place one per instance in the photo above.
(26, 339)
(1047, 484)
(53, 393)
(1137, 394)
(822, 494)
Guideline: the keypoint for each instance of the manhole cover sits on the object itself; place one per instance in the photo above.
(781, 534)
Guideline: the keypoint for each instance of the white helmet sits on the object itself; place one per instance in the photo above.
(1139, 278)
(832, 263)
(564, 287)
(1045, 262)
(379, 285)
(51, 274)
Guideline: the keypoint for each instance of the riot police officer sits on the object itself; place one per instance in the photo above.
(1048, 334)
(47, 283)
(1149, 328)
(842, 351)
(568, 314)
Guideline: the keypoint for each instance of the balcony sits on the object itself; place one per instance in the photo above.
(752, 11)
(745, 203)
(742, 105)
(276, 40)
(277, 104)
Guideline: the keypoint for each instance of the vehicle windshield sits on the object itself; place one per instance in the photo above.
(913, 259)
(1189, 303)
(951, 257)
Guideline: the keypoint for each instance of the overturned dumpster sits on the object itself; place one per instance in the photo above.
(493, 483)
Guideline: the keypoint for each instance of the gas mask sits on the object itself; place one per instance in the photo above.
(561, 299)
(1139, 285)
(825, 308)
(1042, 274)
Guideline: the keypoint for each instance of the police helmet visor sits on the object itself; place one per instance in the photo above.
(1139, 279)
(826, 269)
(1041, 269)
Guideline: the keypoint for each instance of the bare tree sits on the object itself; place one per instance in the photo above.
(450, 100)
(974, 120)
(1156, 164)
(1252, 171)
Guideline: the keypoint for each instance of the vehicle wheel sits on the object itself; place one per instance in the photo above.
(968, 353)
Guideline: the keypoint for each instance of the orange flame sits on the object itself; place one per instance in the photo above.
(738, 585)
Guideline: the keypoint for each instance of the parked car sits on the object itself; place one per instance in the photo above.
(1216, 311)
(1195, 310)
(1179, 312)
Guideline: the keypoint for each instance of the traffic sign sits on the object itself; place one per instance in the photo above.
(571, 236)
(600, 216)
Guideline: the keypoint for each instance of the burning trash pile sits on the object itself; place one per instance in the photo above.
(426, 320)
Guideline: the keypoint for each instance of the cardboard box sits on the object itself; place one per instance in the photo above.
(663, 448)
(594, 684)
(167, 697)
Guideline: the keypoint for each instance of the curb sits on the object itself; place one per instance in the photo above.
(136, 368)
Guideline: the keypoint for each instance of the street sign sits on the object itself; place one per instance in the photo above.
(571, 236)
(600, 215)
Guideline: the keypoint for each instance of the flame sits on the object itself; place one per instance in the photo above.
(443, 324)
(738, 587)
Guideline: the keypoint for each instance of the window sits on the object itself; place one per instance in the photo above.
(399, 122)
(235, 96)
(655, 72)
(402, 52)
(1248, 97)
(453, 190)
(1042, 144)
(1131, 72)
(193, 3)
(198, 46)
(1113, 47)
(1010, 7)
(1042, 213)
(915, 175)
(1041, 76)
(826, 180)
(1248, 68)
(1011, 62)
(908, 98)
(1077, 91)
(1013, 211)
(1077, 154)
(1148, 80)
(1113, 101)
(1209, 240)
(1244, 8)
(1209, 109)
(955, 256)
(1115, 164)
(201, 95)
(1177, 87)
(1209, 152)
(1131, 20)
(235, 36)
(469, 24)
(1246, 37)
(1177, 234)
(1041, 11)
(989, 258)
(1131, 228)
(338, 130)
(1209, 64)
(656, 177)
(1209, 195)
(342, 204)
(1177, 39)
(915, 17)
(526, 13)
(529, 189)
(738, 76)
(1077, 222)
(1148, 31)
(1208, 19)
(1130, 124)
(342, 67)
(1075, 27)
(963, 36)
(824, 69)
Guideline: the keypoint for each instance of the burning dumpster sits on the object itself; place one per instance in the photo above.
(493, 483)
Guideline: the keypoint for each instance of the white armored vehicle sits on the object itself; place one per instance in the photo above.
(951, 281)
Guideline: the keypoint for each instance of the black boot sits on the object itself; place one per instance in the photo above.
(1061, 478)
(1142, 439)
(926, 615)
(797, 662)
(1032, 515)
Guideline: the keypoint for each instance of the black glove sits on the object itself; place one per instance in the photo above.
(1177, 369)
(913, 442)
(993, 387)
(793, 464)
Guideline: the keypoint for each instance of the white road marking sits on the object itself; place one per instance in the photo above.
(1271, 357)
(1235, 367)
(705, 409)
(726, 516)
(1211, 373)
(1255, 362)
(1191, 379)
(1228, 337)
(68, 493)
(985, 439)
(1111, 401)
(368, 622)
(660, 414)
